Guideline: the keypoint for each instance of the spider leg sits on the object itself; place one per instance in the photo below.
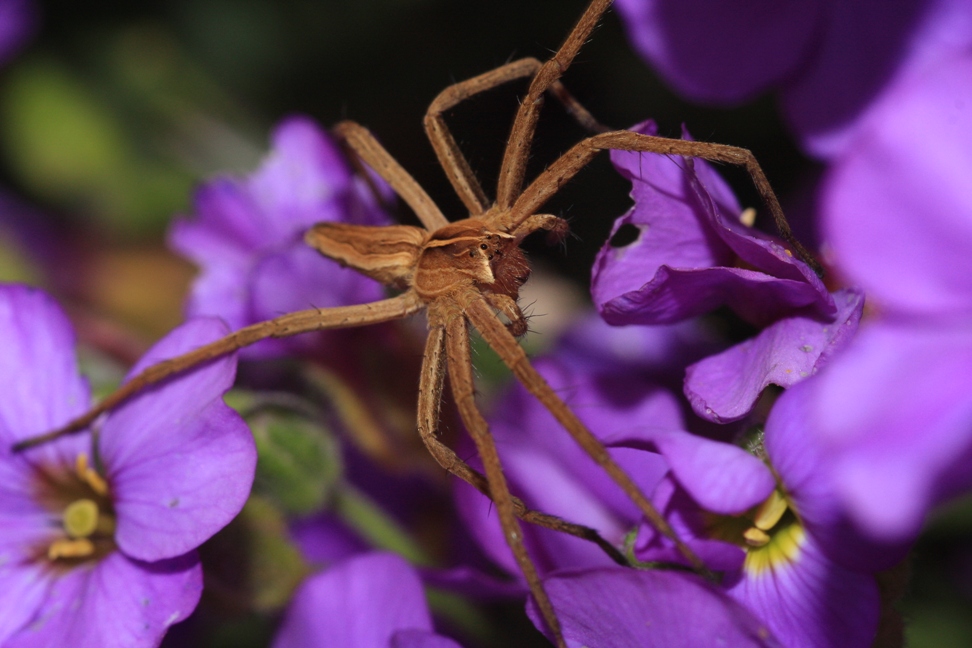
(430, 397)
(556, 227)
(564, 168)
(506, 346)
(508, 306)
(461, 379)
(364, 145)
(521, 135)
(453, 162)
(284, 326)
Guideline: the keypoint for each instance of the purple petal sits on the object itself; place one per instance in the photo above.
(38, 368)
(627, 607)
(725, 387)
(691, 524)
(220, 241)
(179, 461)
(894, 413)
(362, 601)
(23, 590)
(27, 524)
(661, 351)
(689, 236)
(18, 22)
(812, 602)
(304, 171)
(898, 207)
(721, 52)
(227, 226)
(608, 403)
(667, 205)
(716, 555)
(117, 603)
(550, 550)
(298, 278)
(40, 382)
(865, 47)
(672, 295)
(720, 477)
(807, 470)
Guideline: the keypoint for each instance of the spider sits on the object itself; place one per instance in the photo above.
(468, 273)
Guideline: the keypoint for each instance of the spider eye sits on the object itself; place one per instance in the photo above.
(472, 253)
(483, 246)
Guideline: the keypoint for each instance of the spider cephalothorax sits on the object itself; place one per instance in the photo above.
(471, 254)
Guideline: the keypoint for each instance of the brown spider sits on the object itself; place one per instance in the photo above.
(469, 273)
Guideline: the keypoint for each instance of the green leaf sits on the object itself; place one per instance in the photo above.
(299, 461)
(65, 143)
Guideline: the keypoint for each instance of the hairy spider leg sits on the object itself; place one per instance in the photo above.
(550, 180)
(305, 321)
(518, 145)
(451, 158)
(459, 362)
(363, 144)
(429, 402)
(499, 338)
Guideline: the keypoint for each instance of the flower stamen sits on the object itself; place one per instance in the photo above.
(87, 518)
(769, 513)
(70, 548)
(755, 537)
(89, 475)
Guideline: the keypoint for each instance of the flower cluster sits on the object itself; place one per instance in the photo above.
(884, 96)
(795, 432)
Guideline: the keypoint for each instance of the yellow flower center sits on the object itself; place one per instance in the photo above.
(771, 533)
(88, 520)
(81, 518)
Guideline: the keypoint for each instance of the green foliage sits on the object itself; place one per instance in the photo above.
(67, 145)
(299, 461)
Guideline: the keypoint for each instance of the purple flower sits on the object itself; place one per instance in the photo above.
(371, 600)
(723, 387)
(828, 61)
(99, 539)
(18, 22)
(247, 234)
(616, 606)
(692, 254)
(894, 411)
(797, 566)
(785, 551)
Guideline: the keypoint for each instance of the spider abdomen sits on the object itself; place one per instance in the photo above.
(388, 254)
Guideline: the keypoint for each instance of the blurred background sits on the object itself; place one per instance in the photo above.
(114, 111)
